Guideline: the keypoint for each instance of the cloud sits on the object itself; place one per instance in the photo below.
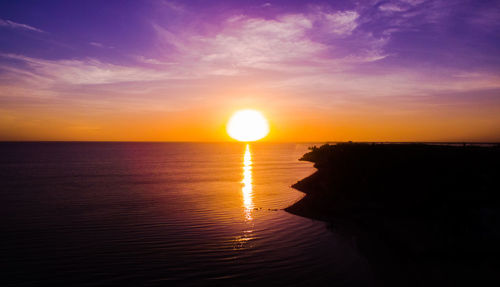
(316, 44)
(96, 44)
(81, 72)
(173, 6)
(413, 2)
(260, 43)
(244, 43)
(145, 60)
(306, 43)
(301, 40)
(288, 43)
(341, 23)
(100, 45)
(15, 25)
(412, 14)
(391, 7)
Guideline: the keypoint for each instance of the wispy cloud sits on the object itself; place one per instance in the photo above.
(15, 25)
(173, 6)
(391, 7)
(96, 44)
(82, 72)
(259, 43)
(341, 23)
(301, 40)
(243, 45)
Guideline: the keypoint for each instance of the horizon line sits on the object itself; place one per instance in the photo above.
(263, 142)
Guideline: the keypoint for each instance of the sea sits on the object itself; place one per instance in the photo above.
(164, 214)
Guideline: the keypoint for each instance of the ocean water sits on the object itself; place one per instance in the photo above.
(176, 214)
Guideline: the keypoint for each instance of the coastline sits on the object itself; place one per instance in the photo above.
(421, 214)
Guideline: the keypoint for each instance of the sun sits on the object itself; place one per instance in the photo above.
(247, 126)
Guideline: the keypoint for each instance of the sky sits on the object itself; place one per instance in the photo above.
(398, 70)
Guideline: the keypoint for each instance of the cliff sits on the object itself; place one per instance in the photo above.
(427, 207)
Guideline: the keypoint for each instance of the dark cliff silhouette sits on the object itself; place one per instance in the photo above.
(423, 215)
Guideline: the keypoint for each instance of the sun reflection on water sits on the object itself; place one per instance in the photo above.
(247, 183)
(243, 241)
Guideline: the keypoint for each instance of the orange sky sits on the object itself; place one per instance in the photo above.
(287, 123)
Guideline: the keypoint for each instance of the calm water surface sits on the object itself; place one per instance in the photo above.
(180, 214)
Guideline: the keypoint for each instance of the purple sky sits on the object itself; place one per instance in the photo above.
(368, 64)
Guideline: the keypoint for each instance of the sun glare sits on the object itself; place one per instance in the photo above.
(247, 126)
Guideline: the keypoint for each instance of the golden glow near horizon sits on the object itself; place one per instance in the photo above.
(246, 190)
(247, 126)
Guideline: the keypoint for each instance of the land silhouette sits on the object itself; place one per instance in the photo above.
(422, 214)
